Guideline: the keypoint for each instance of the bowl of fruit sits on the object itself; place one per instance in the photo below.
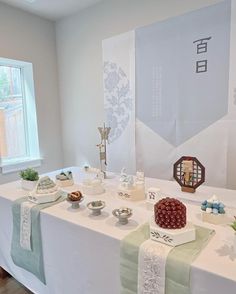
(75, 198)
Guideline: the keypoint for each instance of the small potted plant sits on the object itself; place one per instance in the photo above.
(233, 226)
(29, 178)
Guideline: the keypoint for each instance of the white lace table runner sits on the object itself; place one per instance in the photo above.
(151, 267)
(25, 225)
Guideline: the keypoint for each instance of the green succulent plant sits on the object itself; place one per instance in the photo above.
(29, 174)
(233, 225)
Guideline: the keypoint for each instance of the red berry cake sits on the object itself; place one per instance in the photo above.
(170, 213)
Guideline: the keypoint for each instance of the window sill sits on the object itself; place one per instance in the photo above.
(9, 167)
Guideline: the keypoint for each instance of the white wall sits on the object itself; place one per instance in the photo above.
(26, 37)
(79, 44)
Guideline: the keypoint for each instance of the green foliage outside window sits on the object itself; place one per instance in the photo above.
(4, 85)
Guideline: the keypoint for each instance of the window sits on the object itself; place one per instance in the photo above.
(18, 123)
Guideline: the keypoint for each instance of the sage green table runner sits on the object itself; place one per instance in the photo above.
(31, 261)
(129, 253)
(178, 264)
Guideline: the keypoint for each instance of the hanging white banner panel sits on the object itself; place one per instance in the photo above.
(182, 83)
(119, 100)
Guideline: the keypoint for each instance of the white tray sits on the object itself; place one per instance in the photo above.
(216, 219)
(172, 237)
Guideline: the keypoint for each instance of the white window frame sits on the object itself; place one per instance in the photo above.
(33, 158)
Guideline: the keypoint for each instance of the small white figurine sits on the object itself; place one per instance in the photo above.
(131, 188)
(123, 175)
(130, 182)
(140, 176)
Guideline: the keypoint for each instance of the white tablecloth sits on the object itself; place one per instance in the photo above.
(81, 252)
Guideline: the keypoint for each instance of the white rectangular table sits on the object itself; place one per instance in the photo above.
(82, 252)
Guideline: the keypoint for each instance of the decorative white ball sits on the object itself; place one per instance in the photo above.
(209, 210)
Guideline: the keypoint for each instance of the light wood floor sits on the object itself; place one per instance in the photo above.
(11, 286)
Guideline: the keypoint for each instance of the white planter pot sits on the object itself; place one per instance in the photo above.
(28, 185)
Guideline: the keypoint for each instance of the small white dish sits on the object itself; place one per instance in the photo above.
(123, 214)
(96, 206)
(75, 204)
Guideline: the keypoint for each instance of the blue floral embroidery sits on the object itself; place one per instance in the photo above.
(118, 101)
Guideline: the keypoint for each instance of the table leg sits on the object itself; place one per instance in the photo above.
(3, 273)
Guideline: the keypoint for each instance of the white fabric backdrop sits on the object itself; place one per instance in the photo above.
(211, 136)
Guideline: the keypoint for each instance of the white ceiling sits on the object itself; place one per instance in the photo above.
(51, 9)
